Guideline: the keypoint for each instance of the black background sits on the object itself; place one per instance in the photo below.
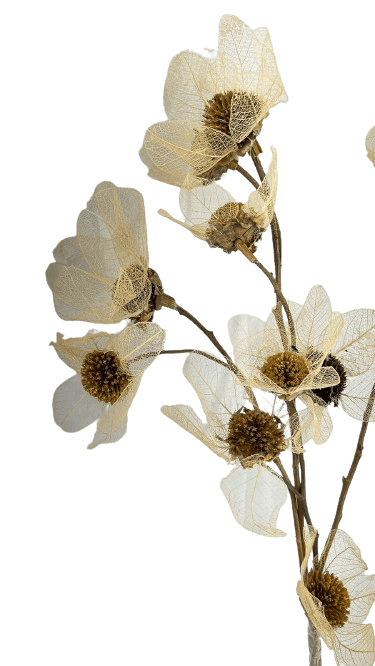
(158, 482)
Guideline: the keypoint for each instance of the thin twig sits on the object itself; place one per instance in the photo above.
(248, 176)
(346, 480)
(193, 351)
(251, 257)
(286, 479)
(211, 336)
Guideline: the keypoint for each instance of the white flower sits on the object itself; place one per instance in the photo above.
(260, 355)
(213, 215)
(338, 598)
(351, 352)
(109, 369)
(101, 274)
(247, 437)
(370, 145)
(215, 106)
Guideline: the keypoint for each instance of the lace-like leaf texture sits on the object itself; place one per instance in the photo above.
(370, 145)
(101, 274)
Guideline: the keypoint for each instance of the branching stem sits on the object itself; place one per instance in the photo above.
(248, 176)
(346, 480)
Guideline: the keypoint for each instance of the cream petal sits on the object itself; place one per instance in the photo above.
(68, 252)
(200, 203)
(313, 320)
(83, 296)
(218, 389)
(165, 170)
(246, 334)
(252, 54)
(112, 425)
(315, 421)
(198, 230)
(73, 350)
(188, 86)
(344, 557)
(370, 145)
(355, 397)
(181, 147)
(73, 407)
(138, 345)
(355, 645)
(261, 203)
(355, 347)
(255, 496)
(186, 417)
(362, 595)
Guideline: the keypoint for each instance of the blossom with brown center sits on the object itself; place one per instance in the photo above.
(342, 342)
(337, 598)
(212, 214)
(247, 437)
(286, 369)
(215, 107)
(109, 370)
(101, 274)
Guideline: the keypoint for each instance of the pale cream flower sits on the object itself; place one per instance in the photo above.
(247, 437)
(351, 352)
(101, 274)
(338, 598)
(109, 369)
(213, 215)
(260, 356)
(215, 107)
(370, 145)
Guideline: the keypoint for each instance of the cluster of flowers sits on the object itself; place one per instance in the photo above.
(216, 106)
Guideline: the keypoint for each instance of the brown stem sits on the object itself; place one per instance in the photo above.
(215, 342)
(346, 481)
(294, 494)
(251, 257)
(247, 176)
(192, 351)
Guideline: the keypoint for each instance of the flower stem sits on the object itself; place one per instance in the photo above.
(248, 176)
(171, 303)
(346, 480)
(251, 257)
(294, 496)
(315, 647)
(194, 351)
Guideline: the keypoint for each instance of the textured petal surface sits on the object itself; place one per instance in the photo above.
(261, 203)
(355, 347)
(112, 425)
(73, 407)
(355, 645)
(185, 416)
(315, 421)
(138, 345)
(355, 398)
(370, 145)
(219, 391)
(255, 496)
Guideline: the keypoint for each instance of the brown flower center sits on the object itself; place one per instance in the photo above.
(218, 112)
(286, 369)
(332, 393)
(230, 223)
(217, 115)
(253, 432)
(333, 595)
(102, 375)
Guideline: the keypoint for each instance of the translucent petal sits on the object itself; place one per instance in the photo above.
(355, 645)
(200, 203)
(261, 203)
(252, 54)
(73, 350)
(218, 389)
(246, 334)
(199, 230)
(255, 496)
(112, 425)
(73, 407)
(186, 417)
(138, 345)
(311, 324)
(344, 557)
(355, 347)
(362, 595)
(68, 252)
(315, 421)
(355, 397)
(188, 86)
